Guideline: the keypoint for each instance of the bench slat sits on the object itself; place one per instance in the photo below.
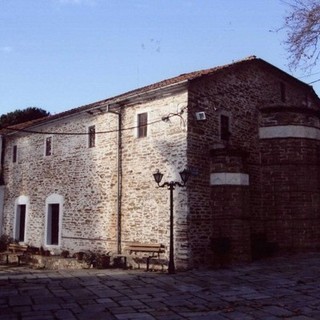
(15, 250)
(152, 249)
(151, 245)
(144, 249)
(14, 247)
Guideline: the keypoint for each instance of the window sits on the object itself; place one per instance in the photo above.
(283, 92)
(53, 223)
(20, 218)
(142, 124)
(14, 154)
(20, 222)
(224, 127)
(48, 146)
(307, 100)
(91, 136)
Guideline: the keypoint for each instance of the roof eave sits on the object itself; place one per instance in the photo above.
(105, 105)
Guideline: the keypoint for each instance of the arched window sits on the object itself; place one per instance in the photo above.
(20, 218)
(53, 225)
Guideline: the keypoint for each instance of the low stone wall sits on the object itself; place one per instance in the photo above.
(55, 262)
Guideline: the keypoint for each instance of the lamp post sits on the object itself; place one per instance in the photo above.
(185, 174)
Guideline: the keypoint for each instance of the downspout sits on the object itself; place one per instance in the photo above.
(1, 159)
(2, 153)
(2, 146)
(119, 180)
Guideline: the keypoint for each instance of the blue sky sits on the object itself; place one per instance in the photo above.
(60, 54)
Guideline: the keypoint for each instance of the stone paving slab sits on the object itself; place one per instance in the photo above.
(279, 288)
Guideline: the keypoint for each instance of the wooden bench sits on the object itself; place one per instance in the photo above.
(149, 250)
(15, 250)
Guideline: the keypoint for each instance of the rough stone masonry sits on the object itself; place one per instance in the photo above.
(248, 132)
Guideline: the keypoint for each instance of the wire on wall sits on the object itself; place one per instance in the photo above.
(164, 118)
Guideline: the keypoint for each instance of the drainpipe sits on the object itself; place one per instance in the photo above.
(2, 147)
(119, 180)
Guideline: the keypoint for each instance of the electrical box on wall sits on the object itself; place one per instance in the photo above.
(200, 116)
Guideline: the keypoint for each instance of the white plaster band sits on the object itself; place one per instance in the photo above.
(227, 178)
(289, 132)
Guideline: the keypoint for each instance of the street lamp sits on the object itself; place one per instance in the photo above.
(185, 174)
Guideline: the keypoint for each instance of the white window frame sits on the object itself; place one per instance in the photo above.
(53, 199)
(144, 127)
(22, 200)
(135, 123)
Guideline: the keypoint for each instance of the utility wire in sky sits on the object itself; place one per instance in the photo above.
(314, 81)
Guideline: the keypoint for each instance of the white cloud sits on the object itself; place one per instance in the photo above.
(77, 2)
(6, 49)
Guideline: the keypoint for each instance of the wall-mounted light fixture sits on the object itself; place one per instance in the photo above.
(201, 116)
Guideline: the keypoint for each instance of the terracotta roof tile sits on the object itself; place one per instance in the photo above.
(158, 85)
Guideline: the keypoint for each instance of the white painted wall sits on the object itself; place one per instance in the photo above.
(228, 178)
(290, 131)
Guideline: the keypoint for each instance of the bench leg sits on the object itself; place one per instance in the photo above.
(148, 263)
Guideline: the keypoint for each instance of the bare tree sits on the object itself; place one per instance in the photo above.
(303, 31)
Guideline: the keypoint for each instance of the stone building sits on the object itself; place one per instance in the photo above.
(248, 132)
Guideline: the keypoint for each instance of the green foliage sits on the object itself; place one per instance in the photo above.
(20, 116)
(102, 261)
(93, 259)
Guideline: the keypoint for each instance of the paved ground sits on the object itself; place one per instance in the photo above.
(281, 288)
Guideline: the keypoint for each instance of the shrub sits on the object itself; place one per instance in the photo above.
(89, 257)
(65, 254)
(102, 261)
(93, 259)
(4, 241)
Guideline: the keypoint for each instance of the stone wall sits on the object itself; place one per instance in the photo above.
(262, 179)
(1, 205)
(239, 210)
(145, 208)
(290, 177)
(86, 178)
